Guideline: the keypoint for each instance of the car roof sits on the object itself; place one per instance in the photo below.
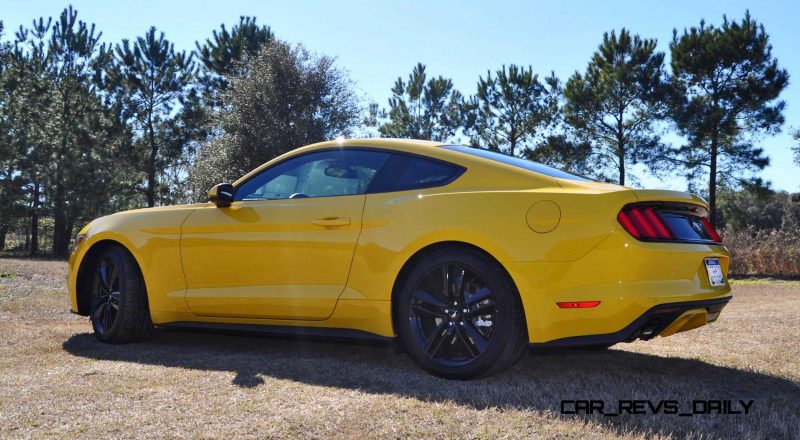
(384, 143)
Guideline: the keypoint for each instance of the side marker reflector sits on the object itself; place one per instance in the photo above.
(577, 304)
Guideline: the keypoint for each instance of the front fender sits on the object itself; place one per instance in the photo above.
(152, 236)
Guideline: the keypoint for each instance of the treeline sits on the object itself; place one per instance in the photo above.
(89, 127)
(762, 231)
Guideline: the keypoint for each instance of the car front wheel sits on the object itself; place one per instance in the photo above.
(119, 310)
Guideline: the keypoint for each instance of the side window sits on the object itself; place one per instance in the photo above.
(320, 174)
(405, 172)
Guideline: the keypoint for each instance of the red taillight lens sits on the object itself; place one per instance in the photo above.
(711, 231)
(644, 222)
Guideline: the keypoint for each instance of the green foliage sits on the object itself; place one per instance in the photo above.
(727, 84)
(423, 108)
(511, 109)
(153, 84)
(758, 207)
(284, 98)
(10, 184)
(761, 227)
(561, 151)
(68, 134)
(615, 104)
(223, 53)
(86, 130)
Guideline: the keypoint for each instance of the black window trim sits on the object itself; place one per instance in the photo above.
(460, 170)
(459, 148)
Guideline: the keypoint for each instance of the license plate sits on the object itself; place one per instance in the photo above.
(714, 272)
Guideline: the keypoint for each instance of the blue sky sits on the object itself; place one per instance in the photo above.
(376, 41)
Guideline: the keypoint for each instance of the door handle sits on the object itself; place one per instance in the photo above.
(332, 222)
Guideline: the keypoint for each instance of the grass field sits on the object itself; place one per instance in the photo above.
(56, 380)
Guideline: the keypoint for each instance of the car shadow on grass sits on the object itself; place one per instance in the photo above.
(539, 382)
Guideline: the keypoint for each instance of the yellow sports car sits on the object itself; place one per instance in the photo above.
(464, 255)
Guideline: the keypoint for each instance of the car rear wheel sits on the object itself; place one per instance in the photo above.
(459, 315)
(119, 310)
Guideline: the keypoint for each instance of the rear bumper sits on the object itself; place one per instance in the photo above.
(628, 277)
(663, 319)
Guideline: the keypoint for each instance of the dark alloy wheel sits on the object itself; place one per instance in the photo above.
(106, 299)
(452, 314)
(119, 309)
(459, 315)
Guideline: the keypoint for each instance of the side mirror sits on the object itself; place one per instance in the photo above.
(221, 195)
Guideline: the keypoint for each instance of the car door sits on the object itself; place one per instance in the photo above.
(283, 249)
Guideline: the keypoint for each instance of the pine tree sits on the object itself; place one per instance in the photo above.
(728, 85)
(512, 109)
(563, 151)
(152, 81)
(423, 108)
(614, 105)
(65, 126)
(11, 190)
(72, 60)
(225, 52)
(28, 114)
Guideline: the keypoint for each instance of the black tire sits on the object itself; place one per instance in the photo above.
(119, 310)
(471, 325)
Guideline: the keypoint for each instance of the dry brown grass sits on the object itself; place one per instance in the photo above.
(57, 381)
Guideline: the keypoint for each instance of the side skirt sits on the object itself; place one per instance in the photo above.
(317, 333)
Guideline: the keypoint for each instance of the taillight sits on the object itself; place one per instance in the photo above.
(711, 231)
(644, 222)
(676, 222)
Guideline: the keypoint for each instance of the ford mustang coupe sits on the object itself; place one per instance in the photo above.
(464, 255)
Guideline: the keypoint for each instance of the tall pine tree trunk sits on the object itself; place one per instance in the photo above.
(33, 245)
(622, 167)
(621, 146)
(60, 242)
(712, 177)
(3, 232)
(513, 139)
(151, 165)
(59, 224)
(150, 192)
(60, 230)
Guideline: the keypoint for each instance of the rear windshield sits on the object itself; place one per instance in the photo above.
(517, 162)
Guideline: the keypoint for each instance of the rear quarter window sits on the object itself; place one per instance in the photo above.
(404, 172)
(529, 165)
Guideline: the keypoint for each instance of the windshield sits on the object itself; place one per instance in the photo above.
(517, 162)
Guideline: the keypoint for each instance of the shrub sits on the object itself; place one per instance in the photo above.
(774, 252)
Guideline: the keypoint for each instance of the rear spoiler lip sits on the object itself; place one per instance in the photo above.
(663, 195)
